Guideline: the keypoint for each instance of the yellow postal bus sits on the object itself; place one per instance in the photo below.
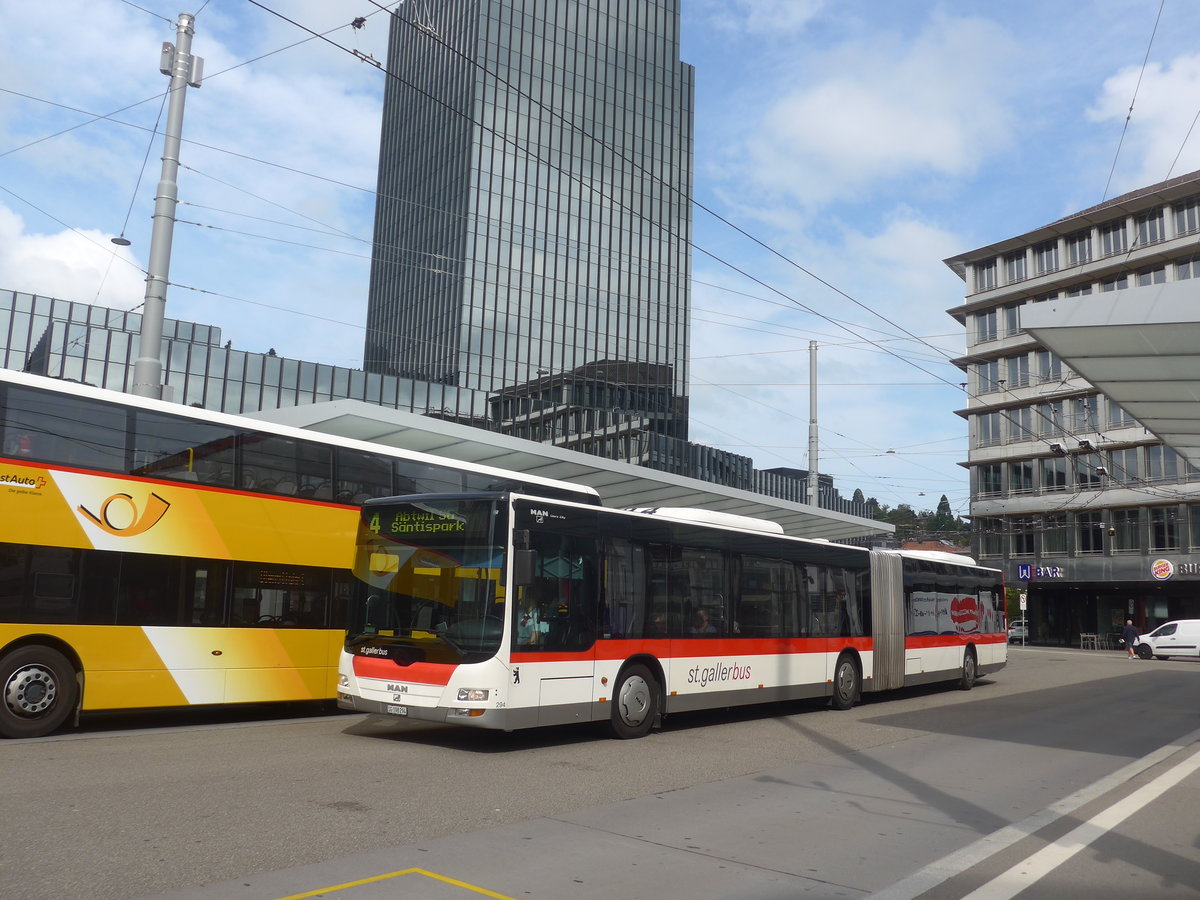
(156, 555)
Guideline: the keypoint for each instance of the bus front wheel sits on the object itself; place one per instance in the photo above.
(635, 703)
(38, 691)
(847, 682)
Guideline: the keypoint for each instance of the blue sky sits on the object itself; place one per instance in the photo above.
(863, 141)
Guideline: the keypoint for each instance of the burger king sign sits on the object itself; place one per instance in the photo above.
(1162, 569)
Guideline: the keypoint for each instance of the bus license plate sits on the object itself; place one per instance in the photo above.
(398, 710)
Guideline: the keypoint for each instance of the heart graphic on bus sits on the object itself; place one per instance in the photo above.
(964, 613)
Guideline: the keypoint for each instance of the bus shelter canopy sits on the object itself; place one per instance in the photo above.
(619, 484)
(1140, 347)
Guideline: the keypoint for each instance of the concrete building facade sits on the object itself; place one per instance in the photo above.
(1092, 516)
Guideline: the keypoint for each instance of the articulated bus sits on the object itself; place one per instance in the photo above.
(508, 610)
(157, 555)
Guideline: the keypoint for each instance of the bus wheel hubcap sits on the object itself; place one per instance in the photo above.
(30, 691)
(634, 700)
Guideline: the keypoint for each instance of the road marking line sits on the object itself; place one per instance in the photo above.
(320, 892)
(973, 854)
(1033, 868)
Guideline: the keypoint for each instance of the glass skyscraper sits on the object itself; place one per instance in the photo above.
(534, 213)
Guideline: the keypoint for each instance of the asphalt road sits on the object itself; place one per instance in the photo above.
(931, 792)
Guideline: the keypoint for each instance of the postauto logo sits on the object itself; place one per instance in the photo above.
(120, 516)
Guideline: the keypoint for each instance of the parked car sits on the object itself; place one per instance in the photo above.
(1178, 638)
(1018, 631)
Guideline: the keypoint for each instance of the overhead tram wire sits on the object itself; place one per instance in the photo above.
(670, 187)
(1133, 99)
(612, 200)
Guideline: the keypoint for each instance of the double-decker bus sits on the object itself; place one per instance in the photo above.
(157, 555)
(508, 610)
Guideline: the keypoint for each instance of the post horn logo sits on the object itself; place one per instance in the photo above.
(156, 508)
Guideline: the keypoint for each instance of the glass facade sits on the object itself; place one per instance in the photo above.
(534, 210)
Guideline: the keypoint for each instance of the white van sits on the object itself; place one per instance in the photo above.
(1178, 638)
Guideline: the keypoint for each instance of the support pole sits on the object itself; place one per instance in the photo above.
(814, 490)
(184, 69)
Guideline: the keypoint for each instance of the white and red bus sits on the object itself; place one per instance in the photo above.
(509, 611)
(159, 555)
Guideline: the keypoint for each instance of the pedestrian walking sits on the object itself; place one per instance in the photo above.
(1130, 636)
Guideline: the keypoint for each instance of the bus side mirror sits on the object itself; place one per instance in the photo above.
(524, 562)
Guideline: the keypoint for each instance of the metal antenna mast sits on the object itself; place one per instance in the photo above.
(184, 69)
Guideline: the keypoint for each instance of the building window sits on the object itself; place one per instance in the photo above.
(1161, 463)
(1018, 370)
(1118, 418)
(1085, 414)
(1087, 471)
(985, 276)
(1194, 519)
(986, 326)
(1079, 247)
(1020, 476)
(1045, 257)
(1054, 473)
(1090, 532)
(1156, 275)
(1187, 268)
(1050, 418)
(1079, 290)
(1164, 528)
(988, 376)
(1020, 423)
(1014, 267)
(1123, 464)
(1049, 366)
(989, 428)
(1113, 239)
(1021, 534)
(991, 538)
(1046, 297)
(1151, 227)
(1114, 283)
(990, 480)
(1012, 319)
(1124, 527)
(1054, 535)
(1187, 216)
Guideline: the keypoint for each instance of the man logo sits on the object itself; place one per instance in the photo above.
(129, 524)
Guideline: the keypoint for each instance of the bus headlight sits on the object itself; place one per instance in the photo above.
(472, 694)
(343, 680)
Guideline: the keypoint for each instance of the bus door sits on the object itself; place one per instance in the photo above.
(555, 624)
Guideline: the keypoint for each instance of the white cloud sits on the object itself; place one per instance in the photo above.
(1165, 99)
(892, 110)
(762, 18)
(68, 265)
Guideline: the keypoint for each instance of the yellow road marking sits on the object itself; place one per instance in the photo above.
(413, 871)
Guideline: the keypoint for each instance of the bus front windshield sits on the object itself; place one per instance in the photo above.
(431, 578)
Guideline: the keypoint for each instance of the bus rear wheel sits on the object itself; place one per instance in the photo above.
(847, 682)
(635, 703)
(38, 691)
(970, 670)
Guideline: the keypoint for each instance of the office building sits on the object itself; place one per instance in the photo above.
(1090, 514)
(534, 214)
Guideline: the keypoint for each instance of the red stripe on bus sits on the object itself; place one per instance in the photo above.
(667, 648)
(414, 673)
(952, 640)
